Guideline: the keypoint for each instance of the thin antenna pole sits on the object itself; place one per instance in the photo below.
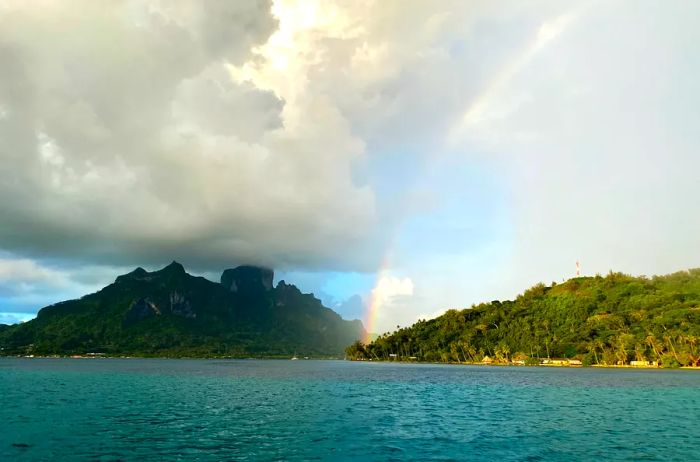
(578, 268)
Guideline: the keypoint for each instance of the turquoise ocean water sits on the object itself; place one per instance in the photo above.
(138, 409)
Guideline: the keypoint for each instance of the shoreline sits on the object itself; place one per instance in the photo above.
(576, 366)
(285, 358)
(280, 358)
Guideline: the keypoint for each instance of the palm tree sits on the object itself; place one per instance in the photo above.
(505, 349)
(693, 342)
(653, 343)
(669, 342)
(592, 347)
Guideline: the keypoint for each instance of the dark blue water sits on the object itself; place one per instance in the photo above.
(132, 409)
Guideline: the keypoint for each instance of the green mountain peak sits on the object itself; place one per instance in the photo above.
(172, 313)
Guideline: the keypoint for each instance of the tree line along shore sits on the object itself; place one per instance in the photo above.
(614, 320)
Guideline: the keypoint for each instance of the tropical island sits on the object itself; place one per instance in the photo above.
(612, 320)
(615, 320)
(170, 313)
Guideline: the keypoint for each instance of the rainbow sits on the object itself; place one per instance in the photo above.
(546, 33)
(375, 300)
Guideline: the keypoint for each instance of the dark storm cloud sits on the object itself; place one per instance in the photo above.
(124, 140)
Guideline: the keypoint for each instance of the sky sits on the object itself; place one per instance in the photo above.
(395, 158)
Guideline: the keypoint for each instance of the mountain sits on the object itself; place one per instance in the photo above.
(172, 313)
(609, 320)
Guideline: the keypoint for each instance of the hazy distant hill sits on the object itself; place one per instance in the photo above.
(605, 320)
(171, 313)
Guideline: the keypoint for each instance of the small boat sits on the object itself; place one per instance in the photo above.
(294, 358)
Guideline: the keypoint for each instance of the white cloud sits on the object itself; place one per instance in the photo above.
(27, 285)
(23, 270)
(388, 287)
(389, 303)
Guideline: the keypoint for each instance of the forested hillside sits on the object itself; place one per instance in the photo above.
(609, 320)
(172, 313)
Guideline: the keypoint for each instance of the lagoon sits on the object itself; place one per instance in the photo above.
(210, 410)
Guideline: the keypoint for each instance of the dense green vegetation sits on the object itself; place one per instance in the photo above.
(171, 313)
(608, 320)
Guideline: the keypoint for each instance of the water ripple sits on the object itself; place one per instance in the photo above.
(111, 410)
